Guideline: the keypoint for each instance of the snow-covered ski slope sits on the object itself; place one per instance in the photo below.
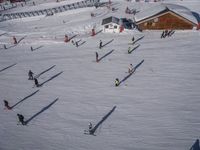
(157, 106)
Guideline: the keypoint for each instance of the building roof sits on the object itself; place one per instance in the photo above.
(110, 19)
(164, 7)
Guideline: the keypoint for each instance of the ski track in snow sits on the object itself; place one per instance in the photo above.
(157, 107)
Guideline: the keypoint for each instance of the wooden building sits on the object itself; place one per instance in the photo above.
(166, 16)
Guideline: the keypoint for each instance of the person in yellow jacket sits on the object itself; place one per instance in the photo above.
(117, 82)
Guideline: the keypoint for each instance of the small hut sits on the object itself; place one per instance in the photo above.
(111, 25)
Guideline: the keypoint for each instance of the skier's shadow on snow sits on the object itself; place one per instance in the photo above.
(138, 39)
(72, 37)
(106, 55)
(134, 48)
(21, 39)
(38, 75)
(8, 67)
(135, 68)
(34, 49)
(11, 46)
(82, 43)
(41, 84)
(92, 131)
(24, 99)
(98, 32)
(107, 43)
(3, 34)
(42, 110)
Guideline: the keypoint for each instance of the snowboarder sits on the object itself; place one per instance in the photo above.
(97, 57)
(21, 119)
(36, 82)
(100, 44)
(30, 75)
(131, 69)
(129, 50)
(116, 82)
(6, 104)
(14, 40)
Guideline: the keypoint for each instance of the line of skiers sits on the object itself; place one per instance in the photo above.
(167, 33)
(6, 103)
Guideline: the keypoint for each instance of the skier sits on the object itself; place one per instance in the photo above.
(6, 104)
(162, 35)
(131, 69)
(165, 33)
(117, 82)
(90, 126)
(14, 40)
(21, 119)
(31, 48)
(129, 50)
(30, 75)
(73, 42)
(76, 43)
(36, 82)
(66, 39)
(100, 44)
(4, 46)
(133, 39)
(97, 59)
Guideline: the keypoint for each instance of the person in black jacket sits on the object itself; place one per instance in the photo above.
(6, 104)
(21, 119)
(30, 75)
(36, 82)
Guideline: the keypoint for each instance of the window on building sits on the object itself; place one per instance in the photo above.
(115, 27)
(106, 26)
(155, 20)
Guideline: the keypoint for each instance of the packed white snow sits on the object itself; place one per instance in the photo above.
(157, 107)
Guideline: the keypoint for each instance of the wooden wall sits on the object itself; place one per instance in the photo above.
(166, 21)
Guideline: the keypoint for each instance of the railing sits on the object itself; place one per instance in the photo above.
(50, 11)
